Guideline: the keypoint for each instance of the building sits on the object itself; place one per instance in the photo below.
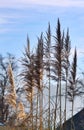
(74, 123)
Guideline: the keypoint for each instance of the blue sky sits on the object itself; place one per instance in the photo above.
(21, 17)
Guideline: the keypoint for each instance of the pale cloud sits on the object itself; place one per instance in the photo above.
(6, 20)
(4, 30)
(3, 20)
(29, 3)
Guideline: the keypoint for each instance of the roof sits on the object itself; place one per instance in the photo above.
(77, 122)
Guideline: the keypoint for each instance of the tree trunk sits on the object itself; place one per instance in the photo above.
(55, 112)
(49, 125)
(60, 104)
(41, 108)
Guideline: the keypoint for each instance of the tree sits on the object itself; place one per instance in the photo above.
(39, 64)
(67, 47)
(4, 61)
(73, 87)
(28, 77)
(11, 95)
(47, 49)
(57, 68)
